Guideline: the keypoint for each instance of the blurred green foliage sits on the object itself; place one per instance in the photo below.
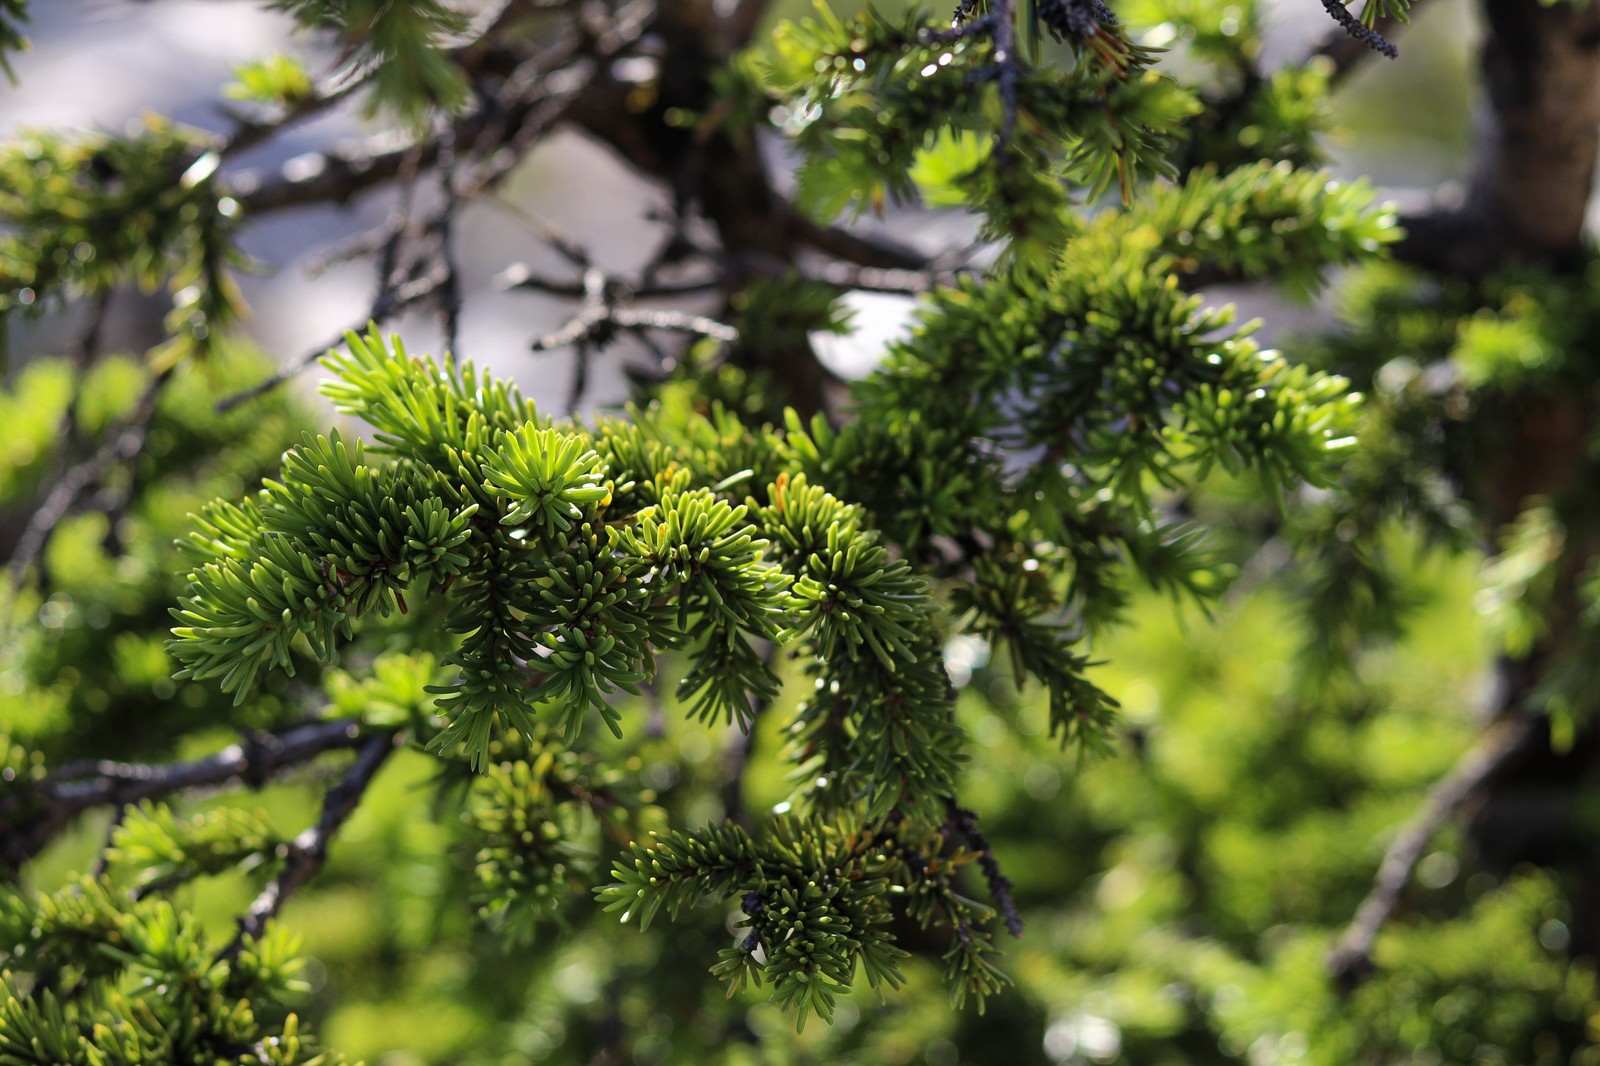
(1188, 750)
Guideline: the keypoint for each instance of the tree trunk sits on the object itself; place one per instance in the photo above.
(1539, 136)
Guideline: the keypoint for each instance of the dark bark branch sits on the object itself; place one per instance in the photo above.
(1356, 30)
(249, 132)
(306, 854)
(31, 816)
(1538, 137)
(1351, 958)
(862, 249)
(334, 177)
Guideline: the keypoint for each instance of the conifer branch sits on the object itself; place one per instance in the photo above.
(1351, 959)
(1357, 30)
(1348, 52)
(965, 822)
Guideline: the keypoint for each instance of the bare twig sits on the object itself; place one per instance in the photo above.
(604, 315)
(412, 292)
(306, 853)
(519, 276)
(249, 132)
(598, 325)
(879, 279)
(30, 817)
(1351, 958)
(564, 246)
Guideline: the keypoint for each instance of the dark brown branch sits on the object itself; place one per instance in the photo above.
(1540, 134)
(1351, 959)
(1536, 158)
(31, 816)
(249, 132)
(334, 177)
(1357, 31)
(862, 249)
(306, 853)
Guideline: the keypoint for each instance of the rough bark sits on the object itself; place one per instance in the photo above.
(1538, 135)
(1536, 160)
(1538, 139)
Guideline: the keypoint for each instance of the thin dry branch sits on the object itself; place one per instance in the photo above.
(305, 855)
(402, 298)
(1351, 959)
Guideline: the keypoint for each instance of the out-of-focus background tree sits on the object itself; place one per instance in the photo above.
(1400, 654)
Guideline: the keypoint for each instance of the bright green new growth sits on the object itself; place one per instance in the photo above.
(136, 982)
(996, 478)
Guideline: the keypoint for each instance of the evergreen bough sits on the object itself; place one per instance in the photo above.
(479, 581)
